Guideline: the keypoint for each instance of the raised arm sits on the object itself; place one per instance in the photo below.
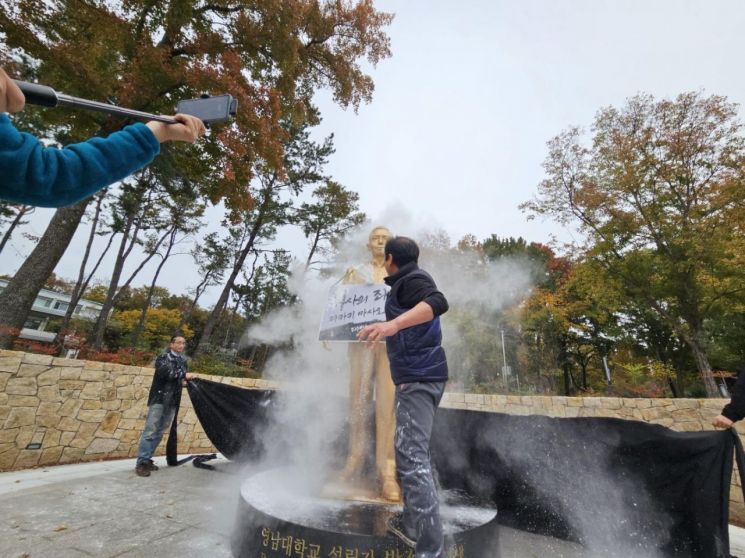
(33, 174)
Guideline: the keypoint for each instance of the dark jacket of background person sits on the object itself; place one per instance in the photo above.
(735, 409)
(415, 353)
(33, 174)
(170, 372)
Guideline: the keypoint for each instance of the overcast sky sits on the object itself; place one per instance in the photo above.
(461, 113)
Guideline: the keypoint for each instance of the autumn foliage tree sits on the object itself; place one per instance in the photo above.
(155, 331)
(272, 56)
(658, 194)
(276, 191)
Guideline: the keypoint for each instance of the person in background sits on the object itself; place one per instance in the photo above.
(32, 174)
(170, 373)
(735, 409)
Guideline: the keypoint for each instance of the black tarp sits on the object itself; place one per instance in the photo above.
(616, 486)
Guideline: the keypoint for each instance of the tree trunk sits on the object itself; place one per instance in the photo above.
(680, 382)
(693, 336)
(113, 285)
(584, 374)
(82, 283)
(228, 329)
(564, 365)
(23, 211)
(136, 272)
(214, 316)
(116, 294)
(673, 388)
(197, 293)
(18, 297)
(137, 331)
(702, 363)
(567, 379)
(313, 249)
(675, 384)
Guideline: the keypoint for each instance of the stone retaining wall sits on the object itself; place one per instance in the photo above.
(87, 411)
(82, 411)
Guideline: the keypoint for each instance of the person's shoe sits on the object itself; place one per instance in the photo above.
(142, 470)
(395, 525)
(151, 465)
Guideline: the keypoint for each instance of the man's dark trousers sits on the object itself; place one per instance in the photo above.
(416, 404)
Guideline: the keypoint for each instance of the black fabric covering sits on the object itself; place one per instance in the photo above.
(613, 485)
(233, 418)
(172, 443)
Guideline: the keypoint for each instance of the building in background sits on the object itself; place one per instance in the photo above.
(50, 307)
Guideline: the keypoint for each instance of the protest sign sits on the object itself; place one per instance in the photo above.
(350, 308)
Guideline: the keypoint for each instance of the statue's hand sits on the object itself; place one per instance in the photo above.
(352, 276)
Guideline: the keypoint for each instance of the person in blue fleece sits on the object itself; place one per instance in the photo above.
(32, 174)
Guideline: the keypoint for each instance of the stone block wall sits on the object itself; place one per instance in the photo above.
(79, 410)
(87, 411)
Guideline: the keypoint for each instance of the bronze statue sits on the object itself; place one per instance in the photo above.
(371, 381)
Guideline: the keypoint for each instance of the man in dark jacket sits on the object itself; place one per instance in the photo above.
(419, 371)
(170, 373)
(735, 409)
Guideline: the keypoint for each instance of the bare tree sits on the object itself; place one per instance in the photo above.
(14, 215)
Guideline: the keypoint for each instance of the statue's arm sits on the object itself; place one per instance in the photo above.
(353, 276)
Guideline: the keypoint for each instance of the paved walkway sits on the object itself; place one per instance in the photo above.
(105, 510)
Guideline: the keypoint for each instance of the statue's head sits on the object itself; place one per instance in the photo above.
(377, 239)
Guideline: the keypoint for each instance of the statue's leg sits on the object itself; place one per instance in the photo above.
(385, 427)
(360, 402)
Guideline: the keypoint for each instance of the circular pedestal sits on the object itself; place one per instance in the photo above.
(280, 516)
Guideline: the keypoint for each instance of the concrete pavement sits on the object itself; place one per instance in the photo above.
(105, 510)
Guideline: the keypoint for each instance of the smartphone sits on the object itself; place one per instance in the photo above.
(210, 110)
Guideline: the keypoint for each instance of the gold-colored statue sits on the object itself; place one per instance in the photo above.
(371, 381)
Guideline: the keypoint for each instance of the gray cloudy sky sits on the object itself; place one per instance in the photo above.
(456, 131)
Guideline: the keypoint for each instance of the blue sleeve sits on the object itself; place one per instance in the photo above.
(32, 174)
